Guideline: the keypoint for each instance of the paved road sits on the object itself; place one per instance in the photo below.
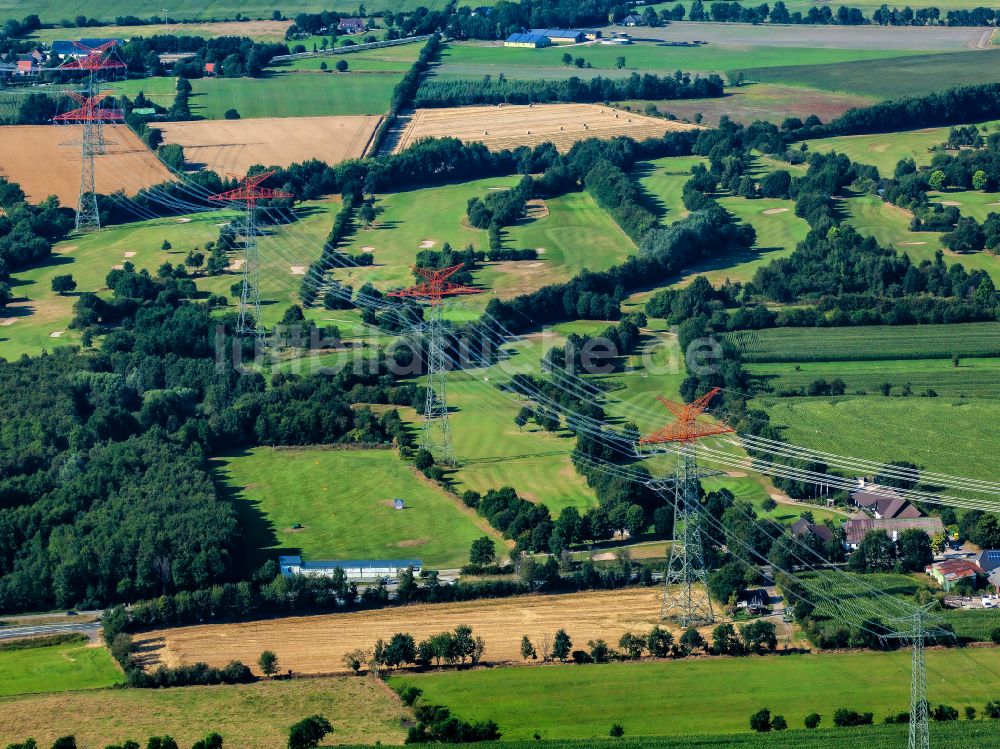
(14, 632)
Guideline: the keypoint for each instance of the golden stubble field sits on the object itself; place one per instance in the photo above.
(35, 157)
(513, 125)
(316, 644)
(233, 146)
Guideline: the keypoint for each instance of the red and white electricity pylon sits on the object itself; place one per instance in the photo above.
(435, 433)
(248, 193)
(92, 143)
(94, 62)
(685, 593)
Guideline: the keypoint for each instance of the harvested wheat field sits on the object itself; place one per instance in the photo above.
(34, 157)
(249, 716)
(316, 644)
(233, 146)
(510, 126)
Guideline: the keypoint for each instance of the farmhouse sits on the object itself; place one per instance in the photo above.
(352, 25)
(951, 572)
(631, 20)
(989, 560)
(803, 527)
(531, 41)
(857, 528)
(358, 570)
(885, 503)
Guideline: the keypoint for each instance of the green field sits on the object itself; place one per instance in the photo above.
(474, 59)
(884, 150)
(890, 225)
(779, 230)
(974, 203)
(870, 343)
(702, 696)
(915, 75)
(56, 668)
(973, 378)
(396, 59)
(575, 234)
(277, 94)
(938, 434)
(343, 499)
(37, 312)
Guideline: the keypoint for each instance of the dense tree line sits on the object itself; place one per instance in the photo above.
(105, 491)
(434, 93)
(28, 231)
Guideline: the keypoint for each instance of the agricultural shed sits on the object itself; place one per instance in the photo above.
(952, 571)
(361, 570)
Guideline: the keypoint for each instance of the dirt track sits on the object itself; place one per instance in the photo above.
(34, 156)
(509, 126)
(315, 644)
(233, 146)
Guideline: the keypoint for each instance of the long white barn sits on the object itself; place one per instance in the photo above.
(361, 570)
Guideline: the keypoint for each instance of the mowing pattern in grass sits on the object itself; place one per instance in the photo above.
(699, 696)
(972, 378)
(344, 501)
(57, 668)
(28, 325)
(886, 78)
(255, 716)
(869, 343)
(890, 225)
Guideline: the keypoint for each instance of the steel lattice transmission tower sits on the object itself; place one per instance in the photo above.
(685, 593)
(92, 118)
(916, 634)
(435, 433)
(248, 193)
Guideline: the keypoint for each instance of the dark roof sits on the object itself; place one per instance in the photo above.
(633, 18)
(526, 38)
(896, 507)
(559, 33)
(868, 498)
(858, 528)
(801, 527)
(989, 559)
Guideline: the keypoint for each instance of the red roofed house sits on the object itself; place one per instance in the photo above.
(950, 572)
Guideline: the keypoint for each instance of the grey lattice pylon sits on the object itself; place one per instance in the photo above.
(249, 323)
(685, 592)
(435, 431)
(919, 729)
(92, 143)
